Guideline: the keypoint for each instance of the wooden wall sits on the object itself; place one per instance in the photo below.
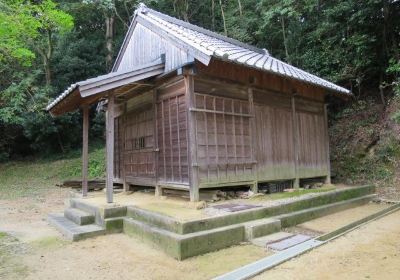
(277, 132)
(173, 165)
(260, 79)
(313, 156)
(145, 46)
(223, 135)
(118, 148)
(274, 136)
(241, 134)
(139, 158)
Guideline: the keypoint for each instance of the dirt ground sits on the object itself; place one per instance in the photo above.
(25, 217)
(370, 252)
(39, 252)
(337, 220)
(34, 250)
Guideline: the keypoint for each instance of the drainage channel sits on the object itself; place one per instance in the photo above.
(255, 268)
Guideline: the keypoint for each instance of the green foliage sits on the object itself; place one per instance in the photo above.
(353, 43)
(24, 25)
(36, 176)
(363, 149)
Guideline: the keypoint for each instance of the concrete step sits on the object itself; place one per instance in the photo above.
(73, 231)
(261, 227)
(182, 246)
(298, 217)
(249, 215)
(79, 217)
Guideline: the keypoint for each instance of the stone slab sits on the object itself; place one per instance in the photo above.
(288, 242)
(271, 238)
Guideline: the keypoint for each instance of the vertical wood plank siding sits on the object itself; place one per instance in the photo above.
(118, 147)
(146, 46)
(313, 160)
(172, 134)
(274, 134)
(139, 158)
(238, 135)
(224, 142)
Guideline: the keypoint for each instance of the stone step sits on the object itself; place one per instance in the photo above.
(182, 246)
(73, 231)
(298, 217)
(261, 227)
(79, 217)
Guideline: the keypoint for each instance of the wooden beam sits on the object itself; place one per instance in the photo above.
(296, 182)
(328, 160)
(192, 139)
(85, 149)
(110, 148)
(122, 151)
(253, 140)
(158, 189)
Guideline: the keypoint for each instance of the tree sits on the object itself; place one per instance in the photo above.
(33, 27)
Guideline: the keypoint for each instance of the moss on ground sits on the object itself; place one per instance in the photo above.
(33, 177)
(10, 266)
(294, 193)
(49, 242)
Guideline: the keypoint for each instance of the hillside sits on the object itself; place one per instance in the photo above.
(365, 145)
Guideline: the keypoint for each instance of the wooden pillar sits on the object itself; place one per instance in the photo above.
(296, 148)
(85, 150)
(122, 150)
(110, 148)
(192, 142)
(158, 189)
(253, 141)
(328, 163)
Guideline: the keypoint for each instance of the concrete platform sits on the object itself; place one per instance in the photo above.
(184, 239)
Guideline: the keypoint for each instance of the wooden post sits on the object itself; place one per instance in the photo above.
(110, 148)
(253, 143)
(122, 151)
(296, 182)
(158, 189)
(85, 149)
(328, 163)
(192, 147)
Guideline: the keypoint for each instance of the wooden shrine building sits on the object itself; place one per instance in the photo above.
(189, 109)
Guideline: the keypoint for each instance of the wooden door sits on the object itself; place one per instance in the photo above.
(139, 150)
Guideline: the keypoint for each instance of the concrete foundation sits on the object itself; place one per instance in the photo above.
(184, 239)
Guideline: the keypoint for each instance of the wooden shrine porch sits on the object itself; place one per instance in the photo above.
(114, 89)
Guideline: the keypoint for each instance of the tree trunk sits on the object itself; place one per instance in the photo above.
(186, 11)
(46, 56)
(223, 18)
(109, 39)
(284, 39)
(47, 70)
(240, 8)
(213, 14)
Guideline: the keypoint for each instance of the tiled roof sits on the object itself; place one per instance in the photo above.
(228, 49)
